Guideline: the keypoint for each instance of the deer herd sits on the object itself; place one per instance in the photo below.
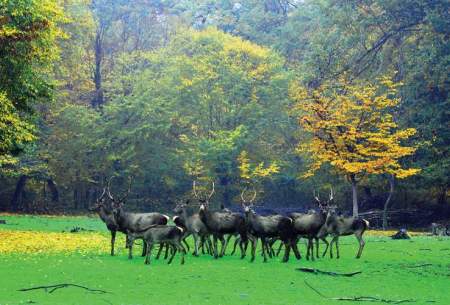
(194, 217)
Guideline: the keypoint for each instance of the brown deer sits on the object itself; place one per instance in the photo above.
(265, 227)
(337, 226)
(220, 223)
(133, 222)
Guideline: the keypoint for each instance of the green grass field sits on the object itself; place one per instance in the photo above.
(417, 270)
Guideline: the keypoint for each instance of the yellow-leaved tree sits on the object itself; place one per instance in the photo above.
(352, 129)
(254, 173)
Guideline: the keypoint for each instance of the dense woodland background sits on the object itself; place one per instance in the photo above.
(169, 91)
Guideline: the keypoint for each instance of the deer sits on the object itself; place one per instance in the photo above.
(220, 223)
(264, 227)
(160, 234)
(337, 226)
(194, 225)
(308, 225)
(133, 222)
(105, 212)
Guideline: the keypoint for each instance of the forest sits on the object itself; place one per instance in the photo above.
(290, 98)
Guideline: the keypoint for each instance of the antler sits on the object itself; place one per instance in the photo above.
(248, 201)
(128, 191)
(212, 191)
(108, 190)
(331, 193)
(194, 190)
(316, 196)
(103, 194)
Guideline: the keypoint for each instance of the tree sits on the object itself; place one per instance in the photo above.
(29, 31)
(353, 130)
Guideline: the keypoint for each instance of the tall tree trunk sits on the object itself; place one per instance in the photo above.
(53, 189)
(224, 182)
(98, 48)
(18, 192)
(388, 200)
(354, 195)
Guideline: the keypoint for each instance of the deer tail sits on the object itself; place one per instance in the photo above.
(367, 223)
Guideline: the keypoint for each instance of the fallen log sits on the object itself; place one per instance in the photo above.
(317, 271)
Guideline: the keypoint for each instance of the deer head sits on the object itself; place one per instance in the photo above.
(99, 202)
(324, 205)
(182, 204)
(247, 204)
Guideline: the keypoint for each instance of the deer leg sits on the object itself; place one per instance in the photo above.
(161, 246)
(215, 246)
(236, 241)
(149, 253)
(184, 241)
(113, 240)
(196, 242)
(183, 252)
(242, 246)
(317, 247)
(333, 240)
(361, 244)
(130, 243)
(224, 243)
(254, 242)
(264, 249)
(173, 251)
(144, 248)
(287, 250)
(337, 246)
(209, 248)
(326, 246)
(294, 247)
(279, 248)
(166, 254)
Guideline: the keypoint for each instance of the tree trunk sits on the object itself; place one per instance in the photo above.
(354, 195)
(18, 192)
(98, 48)
(388, 200)
(53, 189)
(224, 182)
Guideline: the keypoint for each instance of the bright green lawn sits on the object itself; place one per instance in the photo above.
(389, 271)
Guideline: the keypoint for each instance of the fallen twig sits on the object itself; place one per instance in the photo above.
(317, 271)
(52, 288)
(359, 299)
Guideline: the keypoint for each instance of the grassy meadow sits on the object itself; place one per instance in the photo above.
(40, 251)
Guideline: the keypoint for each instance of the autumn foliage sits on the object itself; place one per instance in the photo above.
(353, 129)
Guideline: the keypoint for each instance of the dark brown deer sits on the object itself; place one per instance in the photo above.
(220, 223)
(133, 222)
(194, 225)
(160, 234)
(105, 212)
(264, 227)
(337, 226)
(308, 225)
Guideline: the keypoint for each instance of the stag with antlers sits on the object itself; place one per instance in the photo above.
(337, 226)
(193, 224)
(220, 223)
(133, 222)
(308, 225)
(264, 227)
(105, 212)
